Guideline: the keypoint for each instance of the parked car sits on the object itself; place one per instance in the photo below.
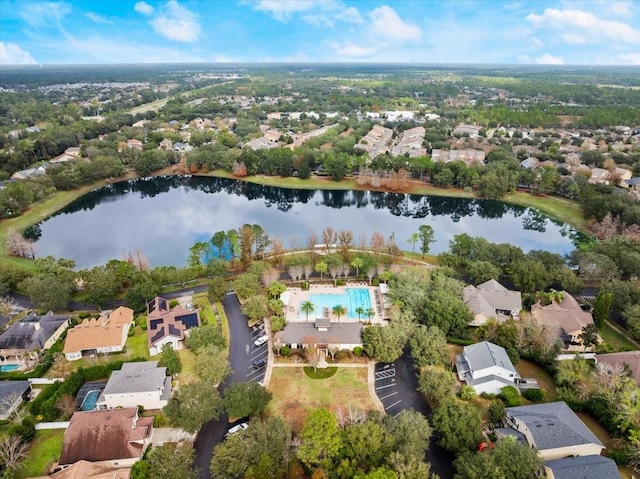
(259, 363)
(237, 427)
(260, 341)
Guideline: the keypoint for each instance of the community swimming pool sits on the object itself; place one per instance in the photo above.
(352, 299)
(90, 400)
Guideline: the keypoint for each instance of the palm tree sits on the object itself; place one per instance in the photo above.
(370, 313)
(357, 263)
(322, 268)
(307, 307)
(360, 311)
(555, 296)
(339, 310)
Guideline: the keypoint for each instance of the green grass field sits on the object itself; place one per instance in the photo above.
(294, 394)
(44, 450)
(618, 341)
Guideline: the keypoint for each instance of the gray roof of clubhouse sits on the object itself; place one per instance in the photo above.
(136, 377)
(484, 355)
(584, 467)
(337, 333)
(553, 425)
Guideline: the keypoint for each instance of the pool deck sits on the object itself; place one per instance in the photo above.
(298, 296)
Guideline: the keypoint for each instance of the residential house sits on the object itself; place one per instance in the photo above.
(565, 320)
(553, 429)
(134, 144)
(166, 144)
(12, 395)
(599, 176)
(136, 384)
(106, 334)
(491, 300)
(29, 173)
(25, 339)
(471, 130)
(632, 183)
(582, 467)
(322, 333)
(89, 470)
(168, 326)
(469, 156)
(411, 143)
(486, 367)
(110, 438)
(629, 360)
(376, 142)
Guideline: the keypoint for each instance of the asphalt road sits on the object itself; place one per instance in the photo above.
(242, 353)
(397, 389)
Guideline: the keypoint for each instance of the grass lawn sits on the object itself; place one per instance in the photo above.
(206, 311)
(618, 341)
(188, 373)
(294, 394)
(529, 369)
(44, 450)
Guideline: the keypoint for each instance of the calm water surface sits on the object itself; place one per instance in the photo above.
(162, 217)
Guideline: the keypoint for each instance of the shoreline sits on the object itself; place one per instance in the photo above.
(555, 208)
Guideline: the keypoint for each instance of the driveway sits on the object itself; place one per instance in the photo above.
(396, 386)
(242, 354)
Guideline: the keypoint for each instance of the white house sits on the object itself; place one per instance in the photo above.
(553, 429)
(136, 384)
(486, 367)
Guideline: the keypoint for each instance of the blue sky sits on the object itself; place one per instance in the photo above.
(589, 32)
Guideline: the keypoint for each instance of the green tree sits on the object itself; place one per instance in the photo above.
(217, 289)
(307, 307)
(142, 291)
(436, 384)
(339, 310)
(383, 343)
(245, 399)
(204, 335)
(496, 412)
(169, 359)
(411, 432)
(529, 275)
(172, 462)
(194, 404)
(255, 308)
(322, 267)
(320, 439)
(428, 346)
(589, 335)
(426, 238)
(47, 292)
(360, 311)
(357, 263)
(211, 363)
(458, 424)
(413, 239)
(260, 452)
(100, 285)
(602, 308)
(481, 271)
(276, 289)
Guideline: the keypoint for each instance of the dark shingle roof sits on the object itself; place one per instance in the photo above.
(584, 467)
(9, 392)
(32, 332)
(553, 425)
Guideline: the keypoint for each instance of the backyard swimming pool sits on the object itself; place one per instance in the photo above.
(5, 368)
(352, 299)
(90, 400)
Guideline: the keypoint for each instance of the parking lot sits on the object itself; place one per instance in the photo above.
(388, 389)
(255, 354)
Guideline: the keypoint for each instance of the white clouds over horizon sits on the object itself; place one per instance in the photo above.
(548, 59)
(12, 54)
(172, 21)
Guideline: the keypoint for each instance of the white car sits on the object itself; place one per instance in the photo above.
(238, 427)
(260, 341)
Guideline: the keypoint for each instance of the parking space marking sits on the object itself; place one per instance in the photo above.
(387, 386)
(261, 354)
(394, 404)
(388, 395)
(389, 373)
(254, 372)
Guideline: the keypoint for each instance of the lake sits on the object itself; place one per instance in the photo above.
(163, 216)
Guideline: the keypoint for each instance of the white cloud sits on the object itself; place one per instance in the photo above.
(143, 7)
(537, 42)
(386, 23)
(587, 23)
(352, 50)
(631, 58)
(94, 17)
(175, 22)
(39, 14)
(283, 11)
(574, 39)
(12, 54)
(548, 59)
